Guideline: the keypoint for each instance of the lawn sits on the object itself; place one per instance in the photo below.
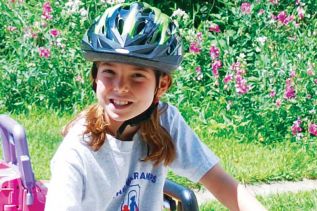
(303, 201)
(248, 162)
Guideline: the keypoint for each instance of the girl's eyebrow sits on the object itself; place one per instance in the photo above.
(106, 64)
(134, 67)
(139, 68)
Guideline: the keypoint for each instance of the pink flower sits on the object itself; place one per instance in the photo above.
(245, 8)
(289, 19)
(278, 103)
(215, 66)
(47, 7)
(282, 16)
(13, 1)
(241, 72)
(300, 12)
(310, 72)
(194, 47)
(44, 52)
(312, 129)
(11, 28)
(296, 127)
(292, 74)
(47, 10)
(199, 36)
(289, 92)
(235, 66)
(214, 52)
(214, 28)
(198, 69)
(274, 1)
(228, 78)
(288, 82)
(79, 79)
(272, 93)
(261, 12)
(54, 32)
(241, 85)
(315, 81)
(297, 2)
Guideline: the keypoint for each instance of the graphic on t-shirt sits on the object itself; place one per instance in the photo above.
(131, 200)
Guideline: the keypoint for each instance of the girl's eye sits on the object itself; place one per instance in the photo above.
(138, 75)
(108, 72)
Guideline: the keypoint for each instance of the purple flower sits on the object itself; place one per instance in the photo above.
(194, 47)
(235, 66)
(214, 28)
(215, 66)
(296, 127)
(312, 129)
(228, 78)
(11, 28)
(46, 11)
(44, 52)
(283, 18)
(289, 92)
(261, 12)
(214, 52)
(54, 32)
(246, 8)
(198, 69)
(278, 103)
(300, 12)
(241, 85)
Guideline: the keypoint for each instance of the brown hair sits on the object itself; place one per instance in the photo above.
(158, 140)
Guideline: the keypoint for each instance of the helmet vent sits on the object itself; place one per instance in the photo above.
(158, 38)
(103, 29)
(126, 7)
(120, 25)
(140, 27)
(147, 11)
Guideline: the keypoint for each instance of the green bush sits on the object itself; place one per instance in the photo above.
(255, 74)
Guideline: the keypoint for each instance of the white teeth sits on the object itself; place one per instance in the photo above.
(120, 102)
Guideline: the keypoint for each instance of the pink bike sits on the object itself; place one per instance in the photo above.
(19, 191)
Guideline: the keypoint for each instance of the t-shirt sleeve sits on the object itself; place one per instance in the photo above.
(193, 158)
(65, 188)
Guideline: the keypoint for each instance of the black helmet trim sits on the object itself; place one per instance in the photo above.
(133, 60)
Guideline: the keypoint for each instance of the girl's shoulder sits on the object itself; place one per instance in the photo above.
(168, 113)
(76, 133)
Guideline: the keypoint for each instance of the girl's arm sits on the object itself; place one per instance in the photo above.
(228, 191)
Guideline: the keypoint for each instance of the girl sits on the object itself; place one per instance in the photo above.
(115, 154)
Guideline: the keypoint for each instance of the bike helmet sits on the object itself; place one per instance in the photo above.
(134, 33)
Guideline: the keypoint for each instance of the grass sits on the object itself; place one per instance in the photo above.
(43, 130)
(303, 201)
(248, 162)
(255, 162)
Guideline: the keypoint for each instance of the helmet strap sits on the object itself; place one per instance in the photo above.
(137, 119)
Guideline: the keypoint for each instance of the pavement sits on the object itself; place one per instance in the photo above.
(204, 196)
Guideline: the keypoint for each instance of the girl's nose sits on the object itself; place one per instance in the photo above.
(121, 85)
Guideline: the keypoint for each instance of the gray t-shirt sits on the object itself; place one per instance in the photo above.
(113, 178)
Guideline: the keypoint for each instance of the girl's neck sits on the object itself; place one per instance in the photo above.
(126, 135)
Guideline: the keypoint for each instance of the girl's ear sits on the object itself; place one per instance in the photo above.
(164, 83)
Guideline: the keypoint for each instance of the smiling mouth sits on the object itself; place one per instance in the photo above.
(120, 103)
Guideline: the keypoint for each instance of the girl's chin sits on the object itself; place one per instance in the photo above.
(119, 117)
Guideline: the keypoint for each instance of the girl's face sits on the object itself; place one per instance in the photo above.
(125, 90)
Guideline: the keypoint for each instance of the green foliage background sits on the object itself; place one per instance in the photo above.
(61, 82)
